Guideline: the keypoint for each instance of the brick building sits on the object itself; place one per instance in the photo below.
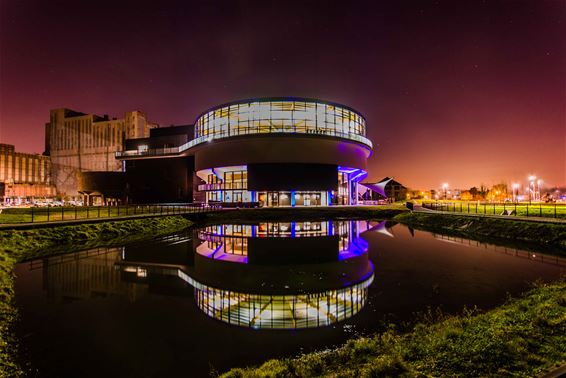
(23, 175)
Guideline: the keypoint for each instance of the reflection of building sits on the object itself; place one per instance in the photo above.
(241, 277)
(320, 283)
(23, 175)
(284, 241)
(285, 311)
(273, 152)
(81, 275)
(79, 142)
(279, 261)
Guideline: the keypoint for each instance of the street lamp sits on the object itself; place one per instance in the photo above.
(444, 188)
(515, 189)
(531, 187)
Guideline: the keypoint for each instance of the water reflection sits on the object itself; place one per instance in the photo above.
(275, 301)
(82, 275)
(282, 311)
(272, 275)
(94, 313)
(263, 276)
(277, 242)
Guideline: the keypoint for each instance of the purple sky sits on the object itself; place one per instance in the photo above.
(453, 91)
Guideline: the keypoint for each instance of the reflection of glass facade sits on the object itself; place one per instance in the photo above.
(282, 116)
(282, 311)
(229, 242)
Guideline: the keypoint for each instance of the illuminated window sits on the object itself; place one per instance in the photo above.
(282, 116)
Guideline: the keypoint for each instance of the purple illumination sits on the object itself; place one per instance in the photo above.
(357, 247)
(347, 170)
(360, 176)
(366, 276)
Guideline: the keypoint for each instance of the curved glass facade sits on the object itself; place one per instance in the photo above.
(307, 310)
(282, 311)
(281, 116)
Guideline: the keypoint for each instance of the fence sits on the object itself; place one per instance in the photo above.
(546, 210)
(50, 214)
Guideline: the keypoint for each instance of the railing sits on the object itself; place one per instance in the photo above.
(546, 210)
(223, 186)
(545, 259)
(149, 152)
(51, 214)
(239, 132)
(71, 257)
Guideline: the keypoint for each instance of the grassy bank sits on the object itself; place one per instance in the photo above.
(50, 214)
(547, 237)
(524, 337)
(18, 245)
(8, 315)
(305, 213)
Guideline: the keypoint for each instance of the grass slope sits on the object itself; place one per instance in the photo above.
(524, 234)
(524, 337)
(18, 245)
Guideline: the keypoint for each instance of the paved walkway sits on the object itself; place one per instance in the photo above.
(420, 209)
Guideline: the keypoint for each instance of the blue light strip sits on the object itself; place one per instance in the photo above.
(347, 170)
(360, 176)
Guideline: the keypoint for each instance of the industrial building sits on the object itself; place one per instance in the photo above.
(23, 175)
(79, 142)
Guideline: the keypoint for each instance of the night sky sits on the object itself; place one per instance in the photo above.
(453, 91)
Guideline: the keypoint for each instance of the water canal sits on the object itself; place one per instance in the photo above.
(236, 295)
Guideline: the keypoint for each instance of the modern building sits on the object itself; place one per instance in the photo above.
(163, 177)
(269, 151)
(385, 189)
(79, 142)
(23, 176)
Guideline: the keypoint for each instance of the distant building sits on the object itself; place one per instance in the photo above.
(466, 195)
(387, 188)
(418, 194)
(23, 175)
(554, 194)
(79, 142)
